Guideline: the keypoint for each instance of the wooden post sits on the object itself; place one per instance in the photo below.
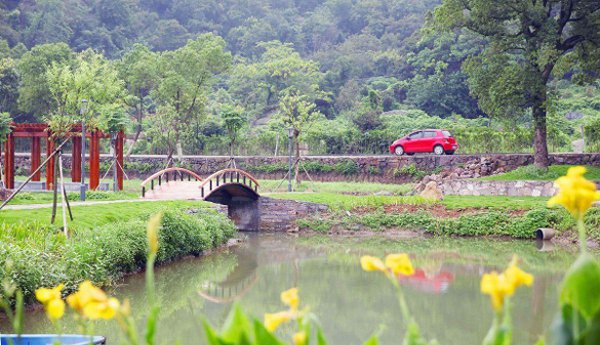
(36, 157)
(94, 160)
(76, 159)
(119, 150)
(51, 163)
(9, 161)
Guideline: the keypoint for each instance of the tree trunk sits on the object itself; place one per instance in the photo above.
(297, 168)
(540, 157)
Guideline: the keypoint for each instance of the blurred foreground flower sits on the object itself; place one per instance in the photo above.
(576, 192)
(93, 303)
(394, 263)
(289, 298)
(52, 301)
(500, 286)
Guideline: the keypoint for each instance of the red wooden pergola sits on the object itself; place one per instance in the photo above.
(37, 131)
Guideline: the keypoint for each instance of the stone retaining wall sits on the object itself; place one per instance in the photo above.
(281, 214)
(368, 168)
(505, 188)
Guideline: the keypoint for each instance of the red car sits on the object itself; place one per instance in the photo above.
(427, 140)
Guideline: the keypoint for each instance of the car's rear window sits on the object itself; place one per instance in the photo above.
(446, 134)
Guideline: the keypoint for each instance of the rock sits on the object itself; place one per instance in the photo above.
(432, 191)
(383, 193)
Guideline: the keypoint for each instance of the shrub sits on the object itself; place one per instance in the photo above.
(347, 167)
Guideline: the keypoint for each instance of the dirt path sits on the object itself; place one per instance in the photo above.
(77, 203)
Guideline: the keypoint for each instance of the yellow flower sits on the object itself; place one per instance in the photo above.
(399, 264)
(500, 286)
(152, 233)
(300, 338)
(516, 276)
(92, 302)
(576, 193)
(371, 263)
(52, 301)
(55, 309)
(45, 295)
(272, 321)
(290, 298)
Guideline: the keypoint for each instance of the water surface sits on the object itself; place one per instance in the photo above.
(351, 304)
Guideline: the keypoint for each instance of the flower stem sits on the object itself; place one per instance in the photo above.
(582, 235)
(401, 300)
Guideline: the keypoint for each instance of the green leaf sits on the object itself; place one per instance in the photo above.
(580, 287)
(263, 336)
(591, 336)
(320, 337)
(562, 327)
(372, 341)
(211, 334)
(237, 326)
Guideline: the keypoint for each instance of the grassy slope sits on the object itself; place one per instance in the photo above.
(91, 216)
(533, 174)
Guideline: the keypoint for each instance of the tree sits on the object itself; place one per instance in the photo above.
(529, 40)
(184, 78)
(5, 129)
(89, 77)
(138, 68)
(34, 94)
(297, 113)
(9, 86)
(233, 121)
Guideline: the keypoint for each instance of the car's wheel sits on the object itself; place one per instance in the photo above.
(399, 150)
(438, 150)
(449, 153)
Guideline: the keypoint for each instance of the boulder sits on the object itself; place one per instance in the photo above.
(432, 191)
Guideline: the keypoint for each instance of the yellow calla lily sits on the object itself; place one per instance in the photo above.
(272, 321)
(371, 263)
(290, 298)
(300, 338)
(576, 193)
(500, 286)
(399, 264)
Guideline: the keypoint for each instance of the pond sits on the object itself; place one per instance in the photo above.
(351, 304)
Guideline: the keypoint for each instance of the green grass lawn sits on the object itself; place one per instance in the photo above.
(91, 216)
(276, 186)
(532, 173)
(348, 202)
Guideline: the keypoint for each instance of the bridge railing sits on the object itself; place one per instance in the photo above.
(168, 174)
(228, 176)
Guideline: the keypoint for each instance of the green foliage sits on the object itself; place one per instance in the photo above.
(411, 170)
(533, 173)
(42, 257)
(5, 121)
(347, 167)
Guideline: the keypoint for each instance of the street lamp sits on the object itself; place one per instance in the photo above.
(290, 136)
(82, 113)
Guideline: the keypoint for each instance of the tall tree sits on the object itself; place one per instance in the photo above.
(9, 86)
(528, 39)
(185, 76)
(34, 94)
(90, 77)
(138, 68)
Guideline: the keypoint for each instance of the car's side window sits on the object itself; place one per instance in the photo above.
(416, 135)
(429, 134)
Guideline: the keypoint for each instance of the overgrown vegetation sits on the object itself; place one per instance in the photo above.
(35, 254)
(531, 172)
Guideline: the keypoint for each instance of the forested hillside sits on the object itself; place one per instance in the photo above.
(352, 74)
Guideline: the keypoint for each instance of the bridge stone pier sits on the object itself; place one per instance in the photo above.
(237, 190)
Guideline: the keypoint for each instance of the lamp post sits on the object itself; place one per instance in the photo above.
(291, 137)
(82, 113)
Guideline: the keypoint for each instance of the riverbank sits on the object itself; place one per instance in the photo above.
(105, 243)
(469, 216)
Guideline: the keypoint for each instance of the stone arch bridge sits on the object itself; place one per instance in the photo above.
(234, 188)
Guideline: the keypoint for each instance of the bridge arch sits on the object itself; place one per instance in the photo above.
(173, 173)
(229, 185)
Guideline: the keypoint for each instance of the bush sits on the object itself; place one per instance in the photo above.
(34, 256)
